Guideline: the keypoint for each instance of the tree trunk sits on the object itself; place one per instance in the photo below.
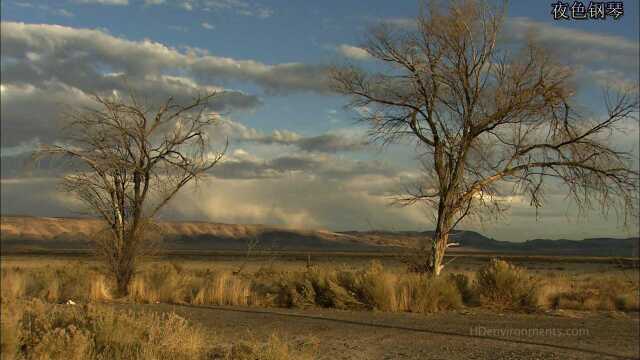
(438, 247)
(439, 241)
(122, 283)
(123, 279)
(125, 267)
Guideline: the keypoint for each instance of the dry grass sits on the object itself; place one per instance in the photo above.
(275, 348)
(38, 330)
(497, 285)
(502, 285)
(172, 284)
(370, 288)
(55, 284)
(35, 326)
(590, 293)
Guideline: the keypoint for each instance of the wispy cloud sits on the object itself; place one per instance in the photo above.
(178, 28)
(592, 54)
(240, 7)
(45, 8)
(56, 46)
(47, 65)
(63, 12)
(104, 2)
(339, 140)
(208, 26)
(353, 52)
(578, 46)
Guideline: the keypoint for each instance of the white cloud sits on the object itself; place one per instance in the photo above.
(30, 111)
(207, 26)
(405, 23)
(27, 111)
(353, 52)
(263, 13)
(577, 46)
(51, 60)
(338, 140)
(240, 7)
(66, 50)
(63, 12)
(178, 28)
(104, 2)
(586, 51)
(291, 200)
(45, 8)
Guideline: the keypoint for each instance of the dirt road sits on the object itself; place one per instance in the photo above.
(459, 335)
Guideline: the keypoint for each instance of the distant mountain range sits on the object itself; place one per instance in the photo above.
(23, 233)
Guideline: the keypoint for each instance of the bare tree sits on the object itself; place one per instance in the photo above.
(129, 161)
(491, 119)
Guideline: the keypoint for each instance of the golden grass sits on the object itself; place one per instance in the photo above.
(170, 284)
(497, 285)
(590, 293)
(38, 330)
(502, 285)
(275, 348)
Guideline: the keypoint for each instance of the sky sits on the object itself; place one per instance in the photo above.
(298, 157)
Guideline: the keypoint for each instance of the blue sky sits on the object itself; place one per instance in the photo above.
(288, 31)
(272, 97)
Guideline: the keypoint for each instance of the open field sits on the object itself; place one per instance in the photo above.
(346, 305)
(342, 334)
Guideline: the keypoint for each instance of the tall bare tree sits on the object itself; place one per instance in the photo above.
(491, 119)
(129, 161)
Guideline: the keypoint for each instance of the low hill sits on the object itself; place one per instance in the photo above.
(23, 233)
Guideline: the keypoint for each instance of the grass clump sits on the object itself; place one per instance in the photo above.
(502, 285)
(38, 330)
(603, 294)
(423, 294)
(169, 283)
(309, 288)
(371, 288)
(497, 285)
(464, 286)
(55, 284)
(275, 348)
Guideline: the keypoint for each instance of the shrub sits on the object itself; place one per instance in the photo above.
(37, 330)
(172, 284)
(463, 285)
(9, 319)
(55, 285)
(222, 289)
(597, 294)
(275, 348)
(502, 285)
(425, 294)
(45, 331)
(376, 288)
(13, 284)
(309, 288)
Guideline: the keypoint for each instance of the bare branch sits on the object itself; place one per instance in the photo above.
(490, 121)
(131, 163)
